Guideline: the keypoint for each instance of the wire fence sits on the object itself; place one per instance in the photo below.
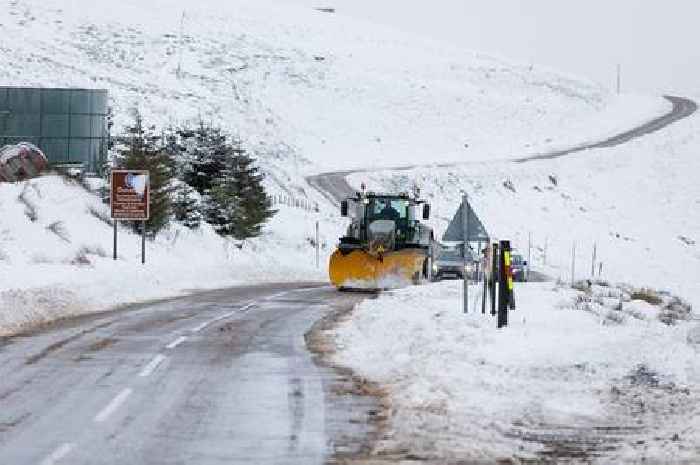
(571, 259)
(294, 202)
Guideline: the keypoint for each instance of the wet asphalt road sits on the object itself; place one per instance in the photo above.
(682, 108)
(221, 377)
(334, 186)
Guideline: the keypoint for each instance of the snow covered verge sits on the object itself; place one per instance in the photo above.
(587, 376)
(56, 255)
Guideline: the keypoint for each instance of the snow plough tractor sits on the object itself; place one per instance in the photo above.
(386, 245)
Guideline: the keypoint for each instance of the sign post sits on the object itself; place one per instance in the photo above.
(130, 201)
(465, 227)
(318, 250)
(465, 254)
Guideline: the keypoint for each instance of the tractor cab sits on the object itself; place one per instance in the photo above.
(383, 222)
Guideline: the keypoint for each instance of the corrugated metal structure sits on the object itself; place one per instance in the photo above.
(68, 125)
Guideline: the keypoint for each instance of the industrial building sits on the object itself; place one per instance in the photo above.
(68, 125)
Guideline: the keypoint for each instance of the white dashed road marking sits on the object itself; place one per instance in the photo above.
(246, 307)
(58, 454)
(152, 365)
(113, 405)
(200, 327)
(176, 342)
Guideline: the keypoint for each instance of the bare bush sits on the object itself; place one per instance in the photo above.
(675, 310)
(59, 229)
(583, 285)
(29, 208)
(101, 215)
(82, 256)
(647, 295)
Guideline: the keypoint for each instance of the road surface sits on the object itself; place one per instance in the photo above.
(334, 186)
(221, 377)
(682, 108)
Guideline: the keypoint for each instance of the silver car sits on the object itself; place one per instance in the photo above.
(449, 264)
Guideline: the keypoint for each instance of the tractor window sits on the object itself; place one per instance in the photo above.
(388, 209)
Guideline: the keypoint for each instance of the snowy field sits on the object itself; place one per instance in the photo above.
(309, 90)
(575, 376)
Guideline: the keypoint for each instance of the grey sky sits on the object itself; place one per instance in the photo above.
(657, 42)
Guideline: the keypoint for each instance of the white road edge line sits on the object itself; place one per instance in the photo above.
(60, 452)
(152, 365)
(113, 405)
(176, 342)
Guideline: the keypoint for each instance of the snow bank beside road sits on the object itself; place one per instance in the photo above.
(556, 376)
(60, 263)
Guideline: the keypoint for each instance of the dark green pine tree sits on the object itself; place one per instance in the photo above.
(237, 204)
(256, 205)
(140, 149)
(205, 158)
(186, 208)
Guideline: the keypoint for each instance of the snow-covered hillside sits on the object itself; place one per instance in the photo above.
(327, 92)
(638, 202)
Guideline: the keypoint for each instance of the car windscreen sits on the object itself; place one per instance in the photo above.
(450, 255)
(516, 260)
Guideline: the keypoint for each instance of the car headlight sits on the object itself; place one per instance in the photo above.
(469, 268)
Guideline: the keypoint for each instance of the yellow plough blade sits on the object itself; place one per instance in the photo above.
(360, 270)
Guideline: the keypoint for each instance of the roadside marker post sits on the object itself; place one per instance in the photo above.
(503, 285)
(494, 277)
(573, 264)
(529, 255)
(504, 292)
(143, 242)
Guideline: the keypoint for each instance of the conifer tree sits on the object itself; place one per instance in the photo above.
(237, 204)
(140, 149)
(205, 158)
(186, 208)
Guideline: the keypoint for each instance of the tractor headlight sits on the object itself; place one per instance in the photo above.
(435, 267)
